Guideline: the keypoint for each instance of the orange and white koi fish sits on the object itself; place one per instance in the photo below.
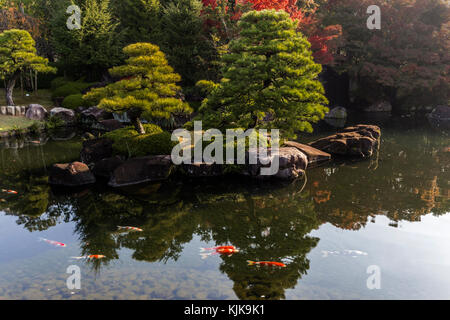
(130, 228)
(55, 243)
(266, 263)
(92, 256)
(9, 191)
(226, 250)
(2, 200)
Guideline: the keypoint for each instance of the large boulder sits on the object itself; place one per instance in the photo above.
(337, 113)
(107, 125)
(358, 141)
(292, 163)
(70, 174)
(315, 156)
(67, 115)
(203, 169)
(95, 150)
(36, 112)
(105, 167)
(94, 115)
(142, 170)
(440, 117)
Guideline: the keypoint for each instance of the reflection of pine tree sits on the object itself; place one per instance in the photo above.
(265, 227)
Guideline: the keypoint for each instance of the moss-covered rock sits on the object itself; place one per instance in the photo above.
(129, 143)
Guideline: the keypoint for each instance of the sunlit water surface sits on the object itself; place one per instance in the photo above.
(346, 223)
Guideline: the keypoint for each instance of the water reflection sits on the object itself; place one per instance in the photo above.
(409, 178)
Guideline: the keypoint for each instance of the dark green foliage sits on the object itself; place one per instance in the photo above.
(270, 79)
(58, 82)
(91, 50)
(139, 19)
(128, 142)
(185, 41)
(70, 88)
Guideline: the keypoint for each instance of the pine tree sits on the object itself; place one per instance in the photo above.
(147, 87)
(139, 19)
(17, 55)
(270, 78)
(188, 46)
(92, 49)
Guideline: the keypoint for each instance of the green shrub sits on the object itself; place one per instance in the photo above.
(74, 101)
(54, 122)
(70, 88)
(58, 82)
(128, 142)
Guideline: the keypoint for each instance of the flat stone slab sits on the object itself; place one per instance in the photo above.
(315, 156)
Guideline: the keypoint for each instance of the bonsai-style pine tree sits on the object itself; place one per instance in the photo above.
(270, 79)
(147, 88)
(18, 54)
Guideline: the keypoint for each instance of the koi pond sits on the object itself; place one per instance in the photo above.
(373, 229)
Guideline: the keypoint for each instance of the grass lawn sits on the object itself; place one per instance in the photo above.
(43, 98)
(9, 122)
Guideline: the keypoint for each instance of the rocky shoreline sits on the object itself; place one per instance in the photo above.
(97, 161)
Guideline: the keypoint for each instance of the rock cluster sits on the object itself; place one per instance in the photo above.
(358, 141)
(294, 158)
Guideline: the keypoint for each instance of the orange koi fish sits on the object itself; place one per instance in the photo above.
(130, 228)
(266, 263)
(55, 243)
(226, 250)
(9, 191)
(92, 256)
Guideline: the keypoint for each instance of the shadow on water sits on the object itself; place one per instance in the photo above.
(409, 178)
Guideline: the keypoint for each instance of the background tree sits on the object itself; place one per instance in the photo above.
(147, 87)
(408, 57)
(92, 49)
(18, 54)
(268, 74)
(138, 18)
(187, 44)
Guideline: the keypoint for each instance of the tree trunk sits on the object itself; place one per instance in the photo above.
(138, 125)
(134, 115)
(36, 83)
(9, 89)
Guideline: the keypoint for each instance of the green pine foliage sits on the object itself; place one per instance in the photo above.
(139, 19)
(18, 55)
(270, 79)
(92, 49)
(147, 87)
(184, 39)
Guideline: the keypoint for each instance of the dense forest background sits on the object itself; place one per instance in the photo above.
(405, 62)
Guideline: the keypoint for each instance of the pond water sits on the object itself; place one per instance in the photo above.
(373, 229)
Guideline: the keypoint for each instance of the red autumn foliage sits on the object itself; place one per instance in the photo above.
(321, 38)
(12, 18)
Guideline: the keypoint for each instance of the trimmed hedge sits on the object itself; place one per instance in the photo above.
(69, 88)
(128, 142)
(73, 101)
